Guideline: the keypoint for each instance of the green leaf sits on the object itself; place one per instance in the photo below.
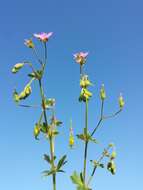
(81, 177)
(37, 74)
(47, 172)
(90, 138)
(97, 164)
(61, 171)
(47, 158)
(81, 136)
(61, 162)
(86, 137)
(55, 133)
(76, 179)
(49, 103)
(58, 123)
(101, 165)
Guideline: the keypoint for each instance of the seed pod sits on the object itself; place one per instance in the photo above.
(121, 101)
(102, 92)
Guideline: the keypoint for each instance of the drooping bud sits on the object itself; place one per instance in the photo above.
(26, 92)
(17, 67)
(85, 82)
(36, 131)
(121, 101)
(102, 92)
(111, 167)
(85, 95)
(29, 43)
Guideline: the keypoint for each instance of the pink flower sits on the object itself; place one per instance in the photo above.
(44, 37)
(81, 57)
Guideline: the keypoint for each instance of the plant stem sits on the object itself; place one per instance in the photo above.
(36, 55)
(51, 138)
(100, 120)
(102, 117)
(86, 142)
(52, 159)
(95, 167)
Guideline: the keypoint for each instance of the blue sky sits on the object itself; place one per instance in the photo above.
(111, 31)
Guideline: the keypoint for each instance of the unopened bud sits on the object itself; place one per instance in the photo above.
(36, 131)
(71, 137)
(113, 155)
(29, 43)
(102, 92)
(121, 101)
(17, 67)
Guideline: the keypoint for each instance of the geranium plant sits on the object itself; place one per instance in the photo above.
(82, 180)
(46, 125)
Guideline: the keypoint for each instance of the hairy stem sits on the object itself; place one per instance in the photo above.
(86, 142)
(52, 159)
(51, 138)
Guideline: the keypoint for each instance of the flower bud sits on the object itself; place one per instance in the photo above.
(15, 96)
(85, 95)
(102, 92)
(26, 92)
(85, 82)
(17, 67)
(36, 131)
(113, 155)
(111, 167)
(121, 101)
(111, 145)
(29, 43)
(71, 141)
(71, 137)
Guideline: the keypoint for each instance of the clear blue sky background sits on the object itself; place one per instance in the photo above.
(112, 33)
